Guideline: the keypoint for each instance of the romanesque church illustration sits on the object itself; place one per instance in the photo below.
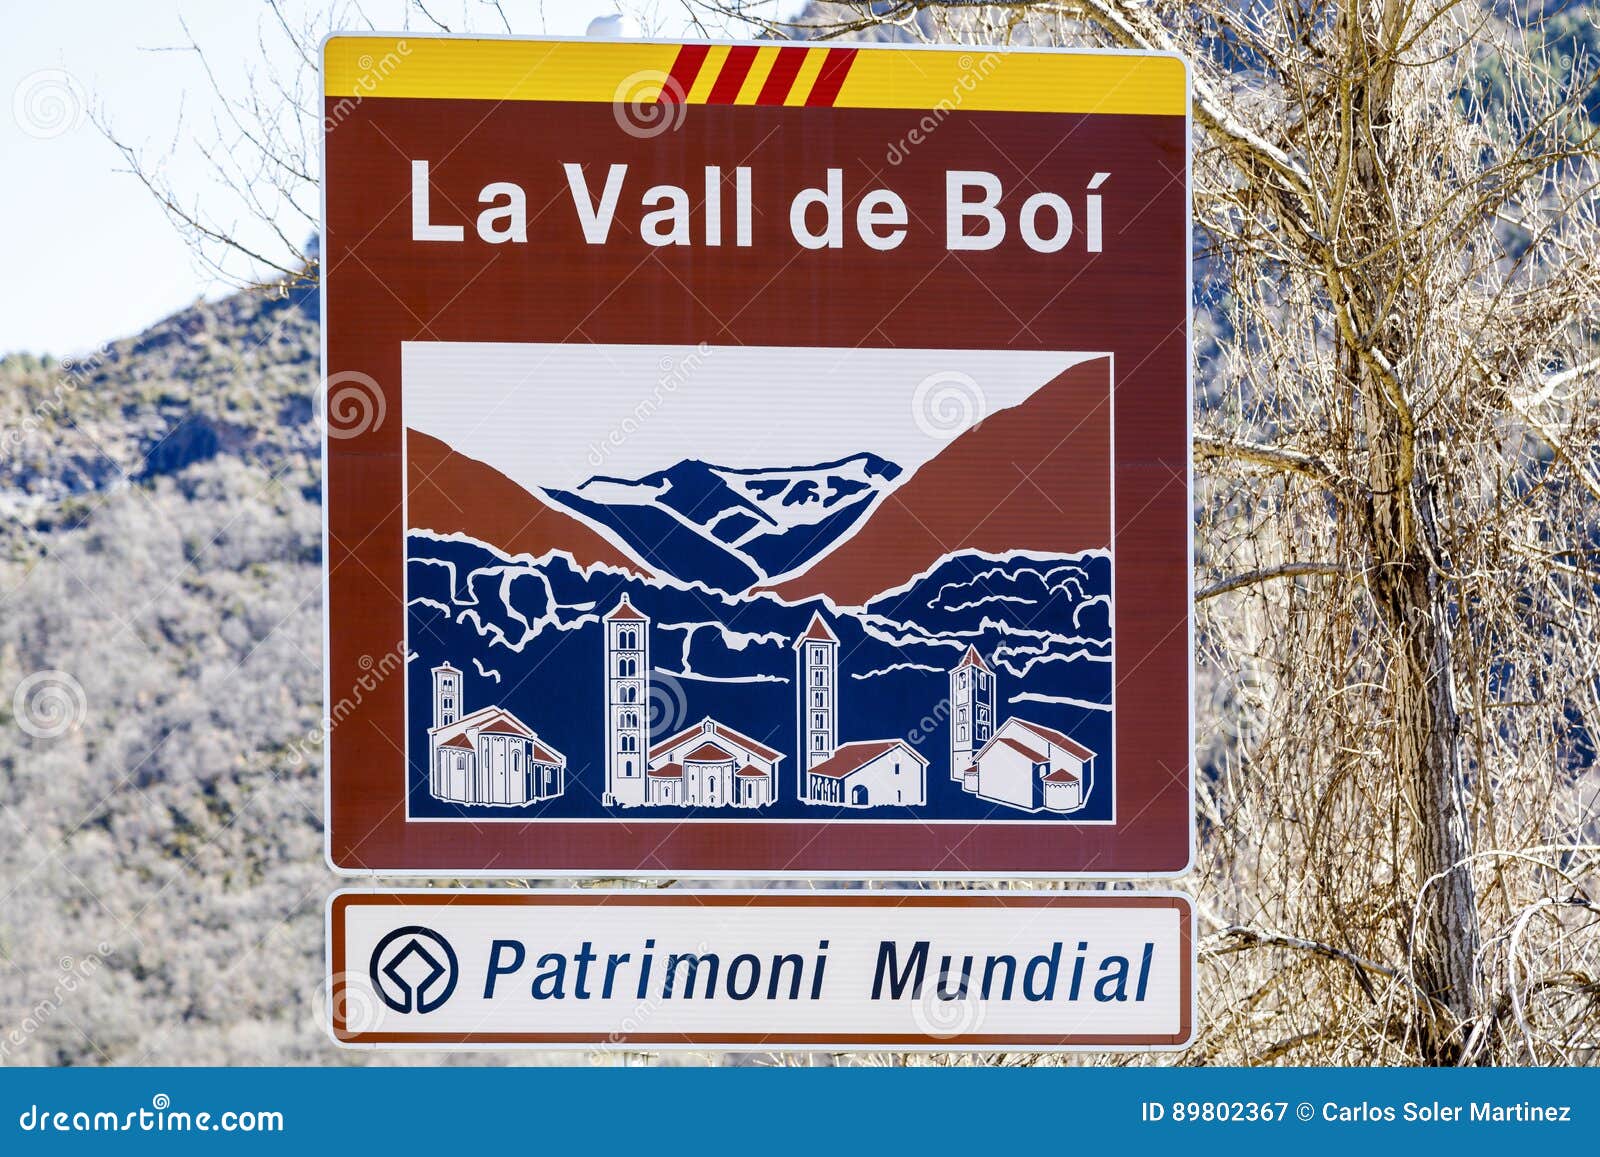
(1016, 763)
(489, 757)
(627, 719)
(972, 688)
(713, 765)
(817, 684)
(1021, 765)
(861, 774)
(709, 765)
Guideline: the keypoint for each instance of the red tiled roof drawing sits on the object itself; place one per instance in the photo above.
(726, 734)
(1046, 735)
(624, 610)
(1027, 751)
(505, 725)
(1058, 739)
(853, 756)
(972, 659)
(469, 720)
(818, 631)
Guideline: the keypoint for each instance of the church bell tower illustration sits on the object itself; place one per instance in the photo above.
(817, 662)
(627, 705)
(446, 695)
(972, 694)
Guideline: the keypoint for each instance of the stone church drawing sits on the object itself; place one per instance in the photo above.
(860, 774)
(1019, 764)
(869, 773)
(709, 765)
(627, 719)
(817, 694)
(489, 757)
(1031, 767)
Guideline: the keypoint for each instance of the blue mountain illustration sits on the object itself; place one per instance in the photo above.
(728, 527)
(527, 634)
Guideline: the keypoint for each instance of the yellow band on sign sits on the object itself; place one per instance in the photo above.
(834, 75)
(995, 80)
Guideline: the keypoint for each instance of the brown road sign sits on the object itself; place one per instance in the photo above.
(756, 459)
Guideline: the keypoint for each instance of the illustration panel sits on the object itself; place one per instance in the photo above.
(649, 583)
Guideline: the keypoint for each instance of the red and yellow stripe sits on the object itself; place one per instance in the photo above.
(790, 75)
(757, 74)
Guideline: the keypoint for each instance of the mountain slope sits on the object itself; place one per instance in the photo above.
(989, 491)
(162, 581)
(500, 512)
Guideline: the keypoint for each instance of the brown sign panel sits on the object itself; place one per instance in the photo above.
(756, 460)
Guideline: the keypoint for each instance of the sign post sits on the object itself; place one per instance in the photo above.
(758, 460)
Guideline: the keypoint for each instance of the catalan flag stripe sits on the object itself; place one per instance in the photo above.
(756, 78)
(685, 67)
(806, 77)
(740, 58)
(781, 78)
(831, 79)
(708, 74)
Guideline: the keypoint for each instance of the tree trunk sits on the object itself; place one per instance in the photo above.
(1400, 526)
(1402, 537)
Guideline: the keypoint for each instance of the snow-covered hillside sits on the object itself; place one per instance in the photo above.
(732, 528)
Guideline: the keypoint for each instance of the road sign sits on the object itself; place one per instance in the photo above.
(756, 459)
(774, 970)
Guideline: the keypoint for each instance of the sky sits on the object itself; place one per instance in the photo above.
(91, 256)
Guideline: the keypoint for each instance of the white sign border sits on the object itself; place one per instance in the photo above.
(1188, 999)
